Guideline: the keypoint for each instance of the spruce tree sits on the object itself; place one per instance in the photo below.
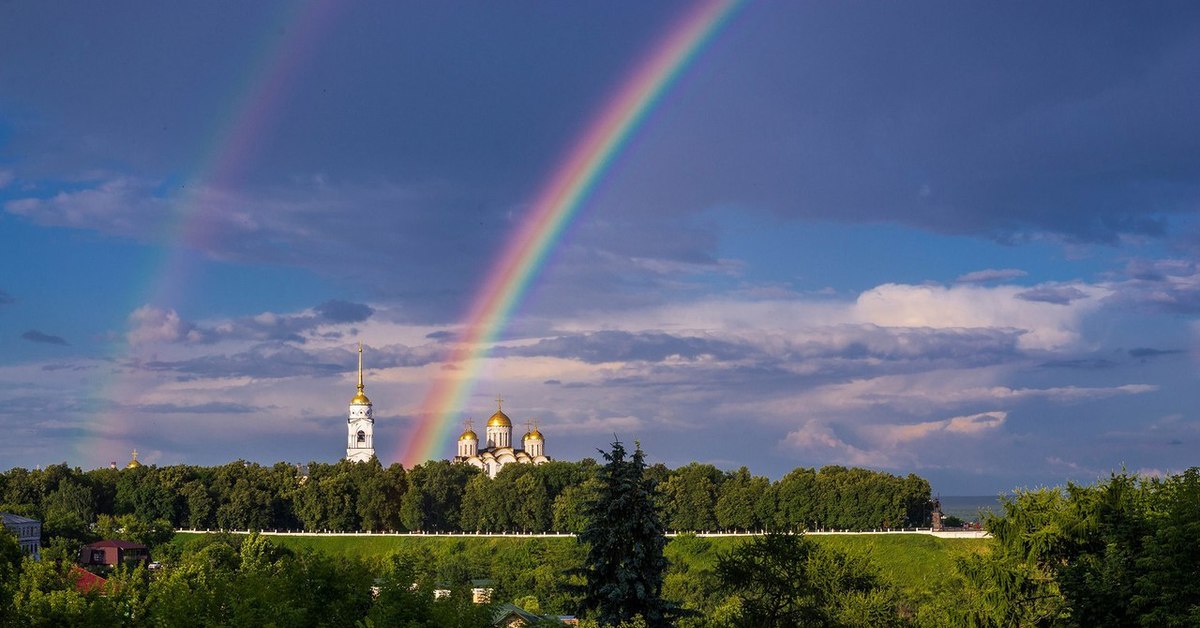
(625, 538)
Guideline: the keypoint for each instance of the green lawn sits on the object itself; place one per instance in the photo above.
(912, 561)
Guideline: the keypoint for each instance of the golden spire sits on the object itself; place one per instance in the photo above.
(361, 397)
(133, 464)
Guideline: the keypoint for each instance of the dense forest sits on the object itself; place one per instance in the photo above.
(439, 496)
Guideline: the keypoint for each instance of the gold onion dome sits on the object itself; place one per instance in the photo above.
(133, 464)
(469, 435)
(534, 435)
(499, 420)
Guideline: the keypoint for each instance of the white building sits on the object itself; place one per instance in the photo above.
(28, 531)
(360, 426)
(498, 449)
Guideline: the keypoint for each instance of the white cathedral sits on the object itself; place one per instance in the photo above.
(496, 451)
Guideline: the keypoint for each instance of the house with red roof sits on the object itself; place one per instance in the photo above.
(112, 553)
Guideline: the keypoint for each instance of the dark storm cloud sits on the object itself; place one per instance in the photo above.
(998, 121)
(1058, 295)
(344, 311)
(34, 335)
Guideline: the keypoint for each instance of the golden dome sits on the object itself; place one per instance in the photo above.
(469, 435)
(133, 464)
(499, 420)
(534, 435)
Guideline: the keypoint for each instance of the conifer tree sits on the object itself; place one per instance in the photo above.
(625, 564)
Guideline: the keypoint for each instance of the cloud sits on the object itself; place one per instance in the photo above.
(6, 177)
(151, 325)
(1147, 352)
(6, 298)
(210, 407)
(1058, 295)
(613, 346)
(1168, 285)
(1046, 326)
(275, 360)
(990, 275)
(819, 439)
(34, 335)
(344, 311)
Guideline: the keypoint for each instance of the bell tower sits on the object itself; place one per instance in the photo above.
(360, 426)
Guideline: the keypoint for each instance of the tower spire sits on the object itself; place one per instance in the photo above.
(360, 381)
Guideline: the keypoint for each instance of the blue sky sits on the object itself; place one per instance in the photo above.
(952, 239)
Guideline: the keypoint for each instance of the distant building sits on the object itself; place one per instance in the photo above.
(498, 449)
(28, 531)
(513, 616)
(112, 553)
(360, 426)
(86, 581)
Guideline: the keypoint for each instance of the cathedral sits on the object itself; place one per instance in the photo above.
(498, 449)
(495, 452)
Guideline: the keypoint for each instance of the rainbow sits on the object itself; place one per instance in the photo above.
(561, 198)
(230, 148)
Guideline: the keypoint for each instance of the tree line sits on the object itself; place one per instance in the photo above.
(439, 496)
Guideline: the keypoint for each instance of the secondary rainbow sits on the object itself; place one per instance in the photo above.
(189, 228)
(564, 193)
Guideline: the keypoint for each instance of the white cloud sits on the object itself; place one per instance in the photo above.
(150, 325)
(1047, 326)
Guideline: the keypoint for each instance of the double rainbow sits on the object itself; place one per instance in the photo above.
(558, 202)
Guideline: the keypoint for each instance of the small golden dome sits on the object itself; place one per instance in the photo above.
(133, 464)
(468, 435)
(534, 435)
(499, 420)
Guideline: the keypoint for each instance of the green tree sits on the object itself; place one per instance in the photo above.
(625, 539)
(784, 580)
(691, 495)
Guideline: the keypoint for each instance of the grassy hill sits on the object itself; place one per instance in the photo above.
(914, 562)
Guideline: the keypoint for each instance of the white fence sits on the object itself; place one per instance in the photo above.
(945, 534)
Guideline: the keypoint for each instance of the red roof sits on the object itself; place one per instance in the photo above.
(117, 544)
(86, 581)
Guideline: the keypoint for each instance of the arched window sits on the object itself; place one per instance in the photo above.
(362, 437)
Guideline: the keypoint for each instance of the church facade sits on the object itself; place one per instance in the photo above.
(498, 448)
(360, 425)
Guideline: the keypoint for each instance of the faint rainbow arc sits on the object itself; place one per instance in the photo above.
(558, 202)
(244, 122)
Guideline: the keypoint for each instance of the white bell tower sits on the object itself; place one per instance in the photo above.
(360, 426)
